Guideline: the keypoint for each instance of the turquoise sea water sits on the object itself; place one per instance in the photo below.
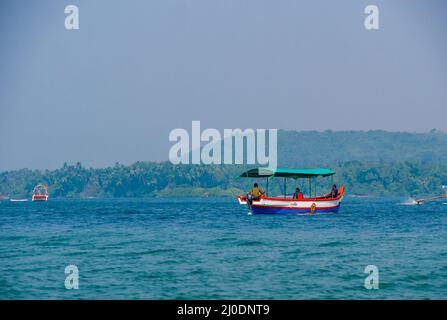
(211, 249)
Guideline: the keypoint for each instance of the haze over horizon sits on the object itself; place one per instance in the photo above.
(372, 146)
(114, 89)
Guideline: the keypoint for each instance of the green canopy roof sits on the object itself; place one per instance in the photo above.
(287, 173)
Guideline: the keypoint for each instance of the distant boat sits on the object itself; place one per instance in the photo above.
(40, 192)
(18, 200)
(442, 196)
(284, 204)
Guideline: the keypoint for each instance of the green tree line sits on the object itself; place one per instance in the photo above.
(163, 179)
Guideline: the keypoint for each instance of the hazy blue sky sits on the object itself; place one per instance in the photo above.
(113, 90)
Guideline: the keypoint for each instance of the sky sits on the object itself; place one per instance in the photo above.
(113, 90)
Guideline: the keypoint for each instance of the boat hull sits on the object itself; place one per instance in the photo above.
(39, 197)
(260, 209)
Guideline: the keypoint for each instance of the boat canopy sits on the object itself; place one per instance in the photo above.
(287, 173)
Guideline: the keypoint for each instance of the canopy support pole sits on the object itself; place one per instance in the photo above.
(267, 190)
(310, 188)
(285, 191)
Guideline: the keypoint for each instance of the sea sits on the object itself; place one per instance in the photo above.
(212, 248)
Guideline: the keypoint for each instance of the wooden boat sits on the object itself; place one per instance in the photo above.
(284, 204)
(40, 193)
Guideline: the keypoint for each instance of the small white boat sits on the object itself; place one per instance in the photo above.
(18, 200)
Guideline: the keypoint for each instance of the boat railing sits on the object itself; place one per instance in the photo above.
(321, 198)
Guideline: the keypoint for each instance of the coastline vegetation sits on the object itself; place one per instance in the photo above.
(150, 179)
(367, 163)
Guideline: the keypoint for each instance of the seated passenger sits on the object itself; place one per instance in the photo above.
(333, 193)
(298, 194)
(256, 192)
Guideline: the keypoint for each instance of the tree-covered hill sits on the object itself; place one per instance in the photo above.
(329, 147)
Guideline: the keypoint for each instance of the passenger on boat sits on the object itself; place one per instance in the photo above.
(255, 193)
(298, 194)
(333, 193)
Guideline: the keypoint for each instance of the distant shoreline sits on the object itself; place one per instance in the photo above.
(163, 180)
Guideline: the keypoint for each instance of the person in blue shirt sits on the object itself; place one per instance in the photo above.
(334, 192)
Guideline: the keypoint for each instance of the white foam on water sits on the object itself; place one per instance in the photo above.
(409, 202)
